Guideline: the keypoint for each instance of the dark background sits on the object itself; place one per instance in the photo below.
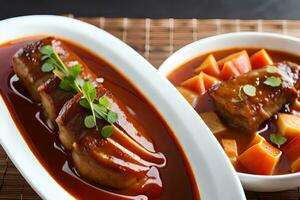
(243, 9)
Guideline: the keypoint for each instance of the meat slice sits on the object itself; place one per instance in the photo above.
(109, 162)
(249, 112)
(43, 86)
(71, 117)
(27, 65)
(121, 161)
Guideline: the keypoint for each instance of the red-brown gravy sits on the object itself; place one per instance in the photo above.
(204, 104)
(177, 178)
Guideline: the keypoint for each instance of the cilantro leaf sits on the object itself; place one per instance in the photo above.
(278, 139)
(271, 69)
(65, 85)
(47, 67)
(89, 121)
(104, 102)
(47, 50)
(101, 110)
(273, 81)
(89, 91)
(107, 131)
(74, 71)
(250, 90)
(84, 103)
(112, 117)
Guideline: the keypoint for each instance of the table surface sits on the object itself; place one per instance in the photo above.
(236, 9)
(156, 39)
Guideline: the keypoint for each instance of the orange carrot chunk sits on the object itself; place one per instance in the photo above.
(200, 83)
(295, 166)
(209, 81)
(239, 60)
(292, 149)
(260, 159)
(209, 66)
(257, 139)
(230, 148)
(261, 59)
(196, 84)
(229, 70)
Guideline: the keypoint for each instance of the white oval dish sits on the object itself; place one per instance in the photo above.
(201, 148)
(248, 40)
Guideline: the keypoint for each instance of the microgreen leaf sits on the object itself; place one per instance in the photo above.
(89, 121)
(65, 85)
(47, 67)
(71, 81)
(84, 103)
(101, 110)
(250, 90)
(46, 50)
(75, 71)
(273, 81)
(104, 102)
(68, 75)
(89, 91)
(271, 69)
(107, 131)
(112, 117)
(278, 139)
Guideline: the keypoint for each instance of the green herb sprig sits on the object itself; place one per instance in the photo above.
(100, 109)
(271, 69)
(278, 139)
(273, 81)
(70, 81)
(248, 89)
(69, 76)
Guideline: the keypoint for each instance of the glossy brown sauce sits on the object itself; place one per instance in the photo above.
(177, 178)
(205, 104)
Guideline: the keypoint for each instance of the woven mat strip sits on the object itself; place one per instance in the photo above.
(156, 39)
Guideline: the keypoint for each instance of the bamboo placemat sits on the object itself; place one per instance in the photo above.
(156, 39)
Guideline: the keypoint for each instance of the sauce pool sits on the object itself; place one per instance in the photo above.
(177, 178)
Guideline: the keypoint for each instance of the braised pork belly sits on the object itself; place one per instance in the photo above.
(121, 161)
(247, 112)
(44, 87)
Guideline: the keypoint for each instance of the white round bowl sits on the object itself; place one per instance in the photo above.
(201, 148)
(284, 43)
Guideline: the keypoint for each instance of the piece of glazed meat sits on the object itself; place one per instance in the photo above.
(27, 65)
(249, 112)
(121, 161)
(125, 160)
(44, 86)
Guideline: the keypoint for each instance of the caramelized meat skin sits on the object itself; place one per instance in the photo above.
(27, 65)
(242, 111)
(120, 161)
(43, 86)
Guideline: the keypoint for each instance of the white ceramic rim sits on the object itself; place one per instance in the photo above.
(166, 68)
(213, 183)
